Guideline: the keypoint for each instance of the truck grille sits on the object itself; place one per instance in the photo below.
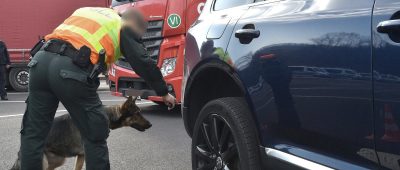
(152, 40)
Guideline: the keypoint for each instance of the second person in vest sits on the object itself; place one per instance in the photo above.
(54, 78)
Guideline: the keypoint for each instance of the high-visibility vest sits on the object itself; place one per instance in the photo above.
(97, 28)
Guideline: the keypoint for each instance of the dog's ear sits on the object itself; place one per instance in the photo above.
(125, 106)
(134, 99)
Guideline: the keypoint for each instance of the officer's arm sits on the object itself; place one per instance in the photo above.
(142, 64)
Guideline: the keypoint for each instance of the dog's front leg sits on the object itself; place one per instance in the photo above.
(80, 159)
(45, 162)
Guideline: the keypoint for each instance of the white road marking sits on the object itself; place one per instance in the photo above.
(11, 115)
(12, 101)
(58, 111)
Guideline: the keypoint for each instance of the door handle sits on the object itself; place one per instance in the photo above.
(390, 26)
(247, 33)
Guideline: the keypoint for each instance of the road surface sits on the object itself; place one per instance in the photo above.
(164, 146)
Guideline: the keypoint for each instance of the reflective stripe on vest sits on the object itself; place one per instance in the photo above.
(84, 33)
(109, 23)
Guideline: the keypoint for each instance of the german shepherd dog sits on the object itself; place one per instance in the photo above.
(64, 139)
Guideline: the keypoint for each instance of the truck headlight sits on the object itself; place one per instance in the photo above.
(168, 66)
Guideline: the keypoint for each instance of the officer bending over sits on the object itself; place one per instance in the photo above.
(62, 71)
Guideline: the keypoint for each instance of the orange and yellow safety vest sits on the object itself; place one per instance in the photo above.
(97, 28)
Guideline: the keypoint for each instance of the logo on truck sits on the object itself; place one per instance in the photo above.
(174, 20)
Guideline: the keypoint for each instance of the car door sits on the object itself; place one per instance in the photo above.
(213, 30)
(326, 119)
(386, 50)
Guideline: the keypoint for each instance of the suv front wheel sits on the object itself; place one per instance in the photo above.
(224, 137)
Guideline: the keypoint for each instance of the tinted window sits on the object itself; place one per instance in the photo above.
(224, 4)
(121, 2)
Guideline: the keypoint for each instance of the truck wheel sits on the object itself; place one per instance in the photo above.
(19, 78)
(224, 137)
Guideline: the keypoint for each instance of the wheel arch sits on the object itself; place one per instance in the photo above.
(209, 80)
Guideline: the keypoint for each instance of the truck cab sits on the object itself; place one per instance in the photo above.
(168, 22)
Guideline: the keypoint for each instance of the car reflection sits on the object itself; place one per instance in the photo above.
(343, 73)
(208, 50)
(389, 78)
(309, 71)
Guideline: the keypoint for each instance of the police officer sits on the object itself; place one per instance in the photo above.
(4, 65)
(59, 73)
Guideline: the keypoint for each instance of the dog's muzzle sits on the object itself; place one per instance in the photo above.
(141, 128)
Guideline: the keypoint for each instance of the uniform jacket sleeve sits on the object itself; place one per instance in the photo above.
(136, 54)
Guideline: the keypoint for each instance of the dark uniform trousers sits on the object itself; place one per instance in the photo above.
(53, 79)
(3, 80)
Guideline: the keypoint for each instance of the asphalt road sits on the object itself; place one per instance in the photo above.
(164, 146)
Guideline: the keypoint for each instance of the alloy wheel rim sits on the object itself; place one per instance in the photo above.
(216, 148)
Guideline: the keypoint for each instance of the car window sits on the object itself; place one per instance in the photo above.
(119, 2)
(224, 4)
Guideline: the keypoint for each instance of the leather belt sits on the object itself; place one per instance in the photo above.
(60, 47)
(63, 48)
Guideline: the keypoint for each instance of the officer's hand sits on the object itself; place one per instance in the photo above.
(169, 100)
(7, 66)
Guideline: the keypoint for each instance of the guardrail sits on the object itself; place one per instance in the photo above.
(23, 53)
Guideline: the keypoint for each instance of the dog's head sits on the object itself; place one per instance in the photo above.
(130, 116)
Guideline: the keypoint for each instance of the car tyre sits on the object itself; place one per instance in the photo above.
(225, 137)
(19, 79)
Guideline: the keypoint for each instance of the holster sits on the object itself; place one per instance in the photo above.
(100, 67)
(82, 59)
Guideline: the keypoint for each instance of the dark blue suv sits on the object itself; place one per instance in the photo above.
(245, 108)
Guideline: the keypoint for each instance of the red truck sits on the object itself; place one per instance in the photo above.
(24, 22)
(169, 21)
